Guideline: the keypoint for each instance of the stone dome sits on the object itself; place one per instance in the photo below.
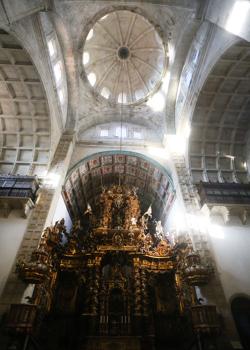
(124, 57)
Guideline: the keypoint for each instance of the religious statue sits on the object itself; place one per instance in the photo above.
(159, 230)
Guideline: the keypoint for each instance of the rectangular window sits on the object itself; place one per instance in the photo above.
(104, 133)
(137, 134)
(121, 132)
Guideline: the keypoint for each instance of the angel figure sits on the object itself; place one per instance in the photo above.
(159, 229)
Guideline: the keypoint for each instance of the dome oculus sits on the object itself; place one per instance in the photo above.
(123, 53)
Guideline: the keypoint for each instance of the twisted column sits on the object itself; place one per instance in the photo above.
(144, 293)
(137, 287)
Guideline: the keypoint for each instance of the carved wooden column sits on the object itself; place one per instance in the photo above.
(137, 288)
(144, 293)
(92, 301)
(95, 289)
(88, 317)
(179, 292)
(103, 329)
(137, 299)
(144, 303)
(89, 287)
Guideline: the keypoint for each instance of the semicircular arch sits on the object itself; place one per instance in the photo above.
(85, 181)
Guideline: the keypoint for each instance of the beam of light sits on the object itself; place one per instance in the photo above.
(52, 179)
(199, 222)
(158, 152)
(157, 102)
(177, 144)
(203, 224)
(216, 231)
(180, 222)
(237, 18)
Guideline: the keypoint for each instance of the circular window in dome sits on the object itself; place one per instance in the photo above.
(124, 57)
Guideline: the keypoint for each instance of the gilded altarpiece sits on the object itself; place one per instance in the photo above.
(115, 281)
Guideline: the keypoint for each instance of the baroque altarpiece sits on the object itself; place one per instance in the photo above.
(115, 281)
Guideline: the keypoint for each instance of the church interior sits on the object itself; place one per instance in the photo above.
(124, 174)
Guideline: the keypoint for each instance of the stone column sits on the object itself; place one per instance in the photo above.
(40, 217)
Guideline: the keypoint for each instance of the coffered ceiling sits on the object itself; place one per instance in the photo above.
(24, 116)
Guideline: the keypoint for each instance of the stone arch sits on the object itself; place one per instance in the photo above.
(86, 179)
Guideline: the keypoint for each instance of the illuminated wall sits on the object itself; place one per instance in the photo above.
(230, 246)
